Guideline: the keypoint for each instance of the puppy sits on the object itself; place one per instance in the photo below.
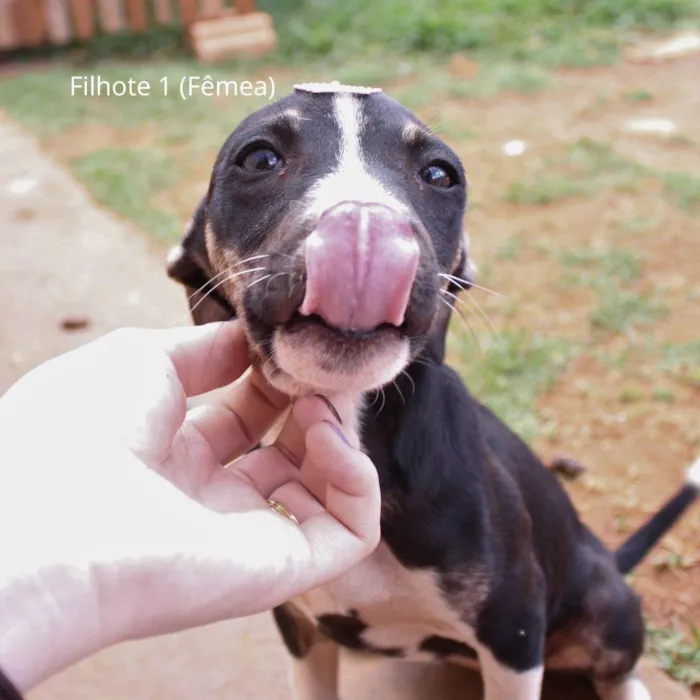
(332, 228)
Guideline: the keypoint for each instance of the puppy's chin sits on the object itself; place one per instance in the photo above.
(314, 359)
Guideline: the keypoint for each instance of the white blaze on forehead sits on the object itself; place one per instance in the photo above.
(350, 179)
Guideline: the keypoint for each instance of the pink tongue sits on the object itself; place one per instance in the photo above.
(361, 261)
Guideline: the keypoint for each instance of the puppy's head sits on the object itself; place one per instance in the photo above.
(332, 225)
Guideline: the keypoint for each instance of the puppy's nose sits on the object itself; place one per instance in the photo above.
(361, 262)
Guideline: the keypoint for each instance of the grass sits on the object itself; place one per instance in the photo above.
(601, 267)
(677, 653)
(581, 169)
(684, 190)
(554, 33)
(682, 361)
(510, 249)
(512, 373)
(610, 272)
(620, 310)
(638, 95)
(127, 180)
(544, 191)
(588, 166)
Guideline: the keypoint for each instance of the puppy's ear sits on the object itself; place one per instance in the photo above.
(189, 265)
(465, 271)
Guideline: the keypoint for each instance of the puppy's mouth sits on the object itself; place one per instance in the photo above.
(300, 322)
(348, 328)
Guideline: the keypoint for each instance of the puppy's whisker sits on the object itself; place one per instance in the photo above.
(459, 281)
(208, 282)
(223, 281)
(484, 315)
(410, 379)
(262, 256)
(454, 281)
(396, 386)
(226, 270)
(272, 277)
(466, 322)
(422, 361)
(381, 408)
(458, 300)
(260, 279)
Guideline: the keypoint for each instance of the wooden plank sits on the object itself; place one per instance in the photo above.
(137, 15)
(29, 22)
(112, 16)
(83, 14)
(188, 11)
(163, 11)
(230, 26)
(58, 24)
(9, 37)
(245, 6)
(212, 8)
(248, 44)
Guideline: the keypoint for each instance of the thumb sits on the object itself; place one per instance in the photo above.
(349, 528)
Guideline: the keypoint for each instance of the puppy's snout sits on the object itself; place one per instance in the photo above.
(361, 262)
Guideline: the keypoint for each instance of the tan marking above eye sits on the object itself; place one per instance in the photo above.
(411, 133)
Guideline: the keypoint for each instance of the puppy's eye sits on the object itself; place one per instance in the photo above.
(437, 175)
(261, 160)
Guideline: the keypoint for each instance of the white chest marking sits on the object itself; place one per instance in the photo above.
(350, 179)
(400, 607)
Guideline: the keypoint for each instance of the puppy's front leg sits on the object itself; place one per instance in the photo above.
(315, 676)
(315, 659)
(504, 683)
(631, 688)
(510, 640)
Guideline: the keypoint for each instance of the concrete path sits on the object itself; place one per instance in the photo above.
(64, 264)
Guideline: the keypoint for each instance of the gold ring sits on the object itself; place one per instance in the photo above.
(279, 508)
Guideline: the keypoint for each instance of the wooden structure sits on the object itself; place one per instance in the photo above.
(216, 28)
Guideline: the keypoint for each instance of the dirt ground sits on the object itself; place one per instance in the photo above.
(602, 412)
(64, 261)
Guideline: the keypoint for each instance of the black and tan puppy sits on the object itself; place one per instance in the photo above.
(333, 229)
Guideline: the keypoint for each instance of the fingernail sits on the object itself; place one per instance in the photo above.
(339, 433)
(331, 408)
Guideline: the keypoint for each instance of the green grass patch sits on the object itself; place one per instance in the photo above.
(601, 267)
(630, 396)
(497, 77)
(638, 95)
(620, 310)
(511, 248)
(127, 181)
(543, 191)
(584, 168)
(512, 373)
(677, 653)
(682, 361)
(663, 396)
(557, 33)
(636, 225)
(683, 189)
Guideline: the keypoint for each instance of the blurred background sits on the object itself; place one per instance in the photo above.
(577, 121)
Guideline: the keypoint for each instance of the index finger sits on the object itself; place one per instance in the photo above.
(207, 357)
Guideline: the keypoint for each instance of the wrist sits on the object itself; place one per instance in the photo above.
(48, 621)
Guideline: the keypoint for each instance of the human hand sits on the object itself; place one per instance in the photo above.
(125, 522)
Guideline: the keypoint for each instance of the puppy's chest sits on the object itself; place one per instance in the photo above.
(381, 607)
